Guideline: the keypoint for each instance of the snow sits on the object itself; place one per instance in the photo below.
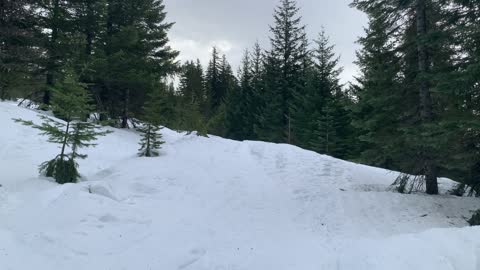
(217, 204)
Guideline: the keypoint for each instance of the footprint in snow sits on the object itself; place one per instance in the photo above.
(108, 218)
(101, 190)
(144, 189)
(195, 255)
(105, 173)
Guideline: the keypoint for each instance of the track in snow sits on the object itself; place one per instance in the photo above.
(211, 203)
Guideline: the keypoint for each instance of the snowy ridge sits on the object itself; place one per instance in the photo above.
(212, 203)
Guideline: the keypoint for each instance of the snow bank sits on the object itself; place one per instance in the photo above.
(211, 203)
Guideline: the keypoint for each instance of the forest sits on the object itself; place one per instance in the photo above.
(414, 106)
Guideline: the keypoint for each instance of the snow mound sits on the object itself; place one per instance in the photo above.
(212, 203)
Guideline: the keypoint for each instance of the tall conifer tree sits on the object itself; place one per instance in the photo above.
(284, 72)
(137, 54)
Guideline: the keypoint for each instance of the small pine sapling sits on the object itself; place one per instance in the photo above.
(151, 141)
(70, 102)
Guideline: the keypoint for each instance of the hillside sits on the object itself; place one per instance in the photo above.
(212, 203)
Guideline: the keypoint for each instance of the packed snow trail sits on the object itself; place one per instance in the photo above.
(212, 203)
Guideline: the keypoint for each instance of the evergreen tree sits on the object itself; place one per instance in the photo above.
(192, 86)
(420, 38)
(378, 111)
(192, 103)
(153, 115)
(318, 104)
(225, 88)
(71, 103)
(215, 93)
(332, 134)
(460, 18)
(248, 96)
(137, 55)
(257, 101)
(18, 39)
(271, 117)
(56, 19)
(90, 19)
(239, 117)
(284, 66)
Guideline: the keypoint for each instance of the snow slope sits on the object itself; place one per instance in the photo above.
(216, 204)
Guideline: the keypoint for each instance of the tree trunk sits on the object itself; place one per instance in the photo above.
(89, 28)
(126, 105)
(65, 139)
(52, 53)
(426, 113)
(147, 149)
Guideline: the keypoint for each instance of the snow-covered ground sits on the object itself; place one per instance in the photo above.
(217, 204)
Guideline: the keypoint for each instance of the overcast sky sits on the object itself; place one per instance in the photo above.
(235, 25)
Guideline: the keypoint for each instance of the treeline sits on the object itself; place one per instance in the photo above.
(289, 93)
(118, 48)
(413, 107)
(417, 107)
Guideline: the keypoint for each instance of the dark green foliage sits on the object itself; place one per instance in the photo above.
(459, 190)
(378, 111)
(63, 170)
(413, 107)
(406, 184)
(284, 74)
(59, 40)
(151, 140)
(271, 117)
(321, 121)
(18, 51)
(333, 134)
(215, 92)
(71, 103)
(192, 104)
(192, 83)
(415, 111)
(239, 115)
(222, 86)
(153, 115)
(134, 57)
(216, 124)
(475, 219)
(395, 97)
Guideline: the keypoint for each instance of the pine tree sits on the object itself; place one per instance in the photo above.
(151, 140)
(137, 55)
(418, 35)
(271, 117)
(192, 106)
(18, 39)
(225, 87)
(152, 114)
(379, 110)
(324, 132)
(332, 134)
(460, 18)
(71, 103)
(318, 104)
(192, 85)
(239, 116)
(56, 18)
(257, 102)
(215, 93)
(248, 100)
(284, 67)
(90, 19)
